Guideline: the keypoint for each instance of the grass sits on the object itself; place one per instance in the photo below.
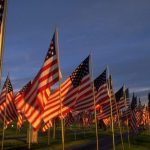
(138, 142)
(73, 137)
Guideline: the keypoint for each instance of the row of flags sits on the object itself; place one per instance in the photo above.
(36, 102)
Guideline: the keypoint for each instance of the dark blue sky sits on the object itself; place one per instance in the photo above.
(117, 32)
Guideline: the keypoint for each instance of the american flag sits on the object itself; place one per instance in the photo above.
(69, 120)
(47, 76)
(133, 121)
(20, 120)
(7, 107)
(101, 89)
(47, 126)
(69, 92)
(19, 98)
(20, 103)
(118, 102)
(85, 101)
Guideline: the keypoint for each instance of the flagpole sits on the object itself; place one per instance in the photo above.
(127, 118)
(111, 113)
(119, 126)
(4, 18)
(4, 128)
(5, 114)
(62, 122)
(3, 31)
(96, 127)
(29, 136)
(48, 135)
(54, 136)
(118, 119)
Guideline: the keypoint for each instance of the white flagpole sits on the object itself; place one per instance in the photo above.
(62, 121)
(110, 80)
(96, 127)
(127, 117)
(112, 123)
(4, 128)
(4, 115)
(2, 36)
(29, 136)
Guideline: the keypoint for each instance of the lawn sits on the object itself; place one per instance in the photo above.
(140, 141)
(74, 136)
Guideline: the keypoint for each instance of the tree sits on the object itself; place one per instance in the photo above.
(149, 103)
(140, 105)
(134, 102)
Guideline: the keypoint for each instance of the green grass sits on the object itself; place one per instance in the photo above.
(138, 142)
(73, 137)
(83, 136)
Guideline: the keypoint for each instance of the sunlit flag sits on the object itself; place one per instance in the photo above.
(8, 110)
(47, 76)
(69, 92)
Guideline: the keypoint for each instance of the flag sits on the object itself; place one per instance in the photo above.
(133, 121)
(47, 76)
(101, 89)
(8, 110)
(118, 102)
(20, 97)
(20, 120)
(47, 126)
(122, 98)
(85, 100)
(68, 91)
(69, 120)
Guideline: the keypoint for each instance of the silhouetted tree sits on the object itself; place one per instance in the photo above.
(134, 102)
(149, 103)
(140, 105)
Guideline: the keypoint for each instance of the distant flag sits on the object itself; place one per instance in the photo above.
(8, 110)
(69, 120)
(101, 89)
(85, 101)
(133, 120)
(69, 92)
(131, 110)
(47, 76)
(119, 94)
(118, 103)
(20, 101)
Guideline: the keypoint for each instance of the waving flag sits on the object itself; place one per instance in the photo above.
(101, 89)
(47, 76)
(8, 110)
(69, 91)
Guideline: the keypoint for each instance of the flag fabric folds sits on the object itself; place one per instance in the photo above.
(47, 76)
(63, 99)
(8, 110)
(101, 89)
